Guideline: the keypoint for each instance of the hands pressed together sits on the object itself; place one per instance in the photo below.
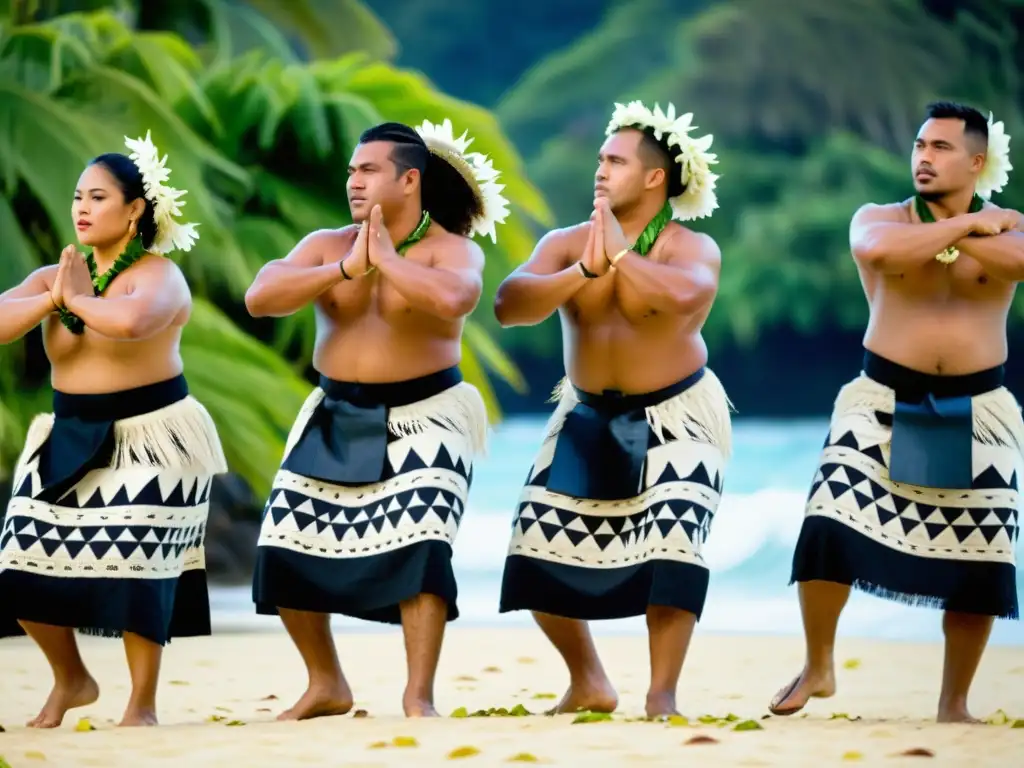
(606, 240)
(73, 278)
(372, 246)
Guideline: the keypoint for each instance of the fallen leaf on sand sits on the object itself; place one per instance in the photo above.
(404, 741)
(492, 669)
(544, 696)
(360, 713)
(591, 717)
(525, 660)
(1016, 724)
(997, 718)
(701, 739)
(708, 719)
(466, 678)
(677, 721)
(264, 709)
(851, 664)
(234, 723)
(917, 752)
(748, 725)
(4, 763)
(222, 709)
(215, 718)
(178, 682)
(378, 745)
(458, 752)
(35, 756)
(84, 724)
(459, 712)
(271, 697)
(843, 716)
(852, 756)
(522, 757)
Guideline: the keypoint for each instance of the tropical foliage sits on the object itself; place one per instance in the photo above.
(258, 136)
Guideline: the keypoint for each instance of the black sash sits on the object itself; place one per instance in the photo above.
(345, 441)
(83, 429)
(933, 423)
(602, 448)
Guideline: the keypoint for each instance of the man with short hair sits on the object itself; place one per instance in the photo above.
(366, 506)
(917, 493)
(621, 496)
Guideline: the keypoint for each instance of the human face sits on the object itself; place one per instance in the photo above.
(944, 160)
(99, 212)
(372, 180)
(621, 176)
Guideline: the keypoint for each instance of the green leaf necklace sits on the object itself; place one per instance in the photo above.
(924, 213)
(416, 235)
(131, 254)
(654, 228)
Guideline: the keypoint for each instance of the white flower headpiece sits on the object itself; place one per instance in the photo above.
(475, 168)
(996, 171)
(170, 234)
(698, 200)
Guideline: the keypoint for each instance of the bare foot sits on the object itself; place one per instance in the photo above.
(141, 716)
(596, 696)
(661, 705)
(80, 692)
(321, 701)
(956, 713)
(795, 696)
(419, 708)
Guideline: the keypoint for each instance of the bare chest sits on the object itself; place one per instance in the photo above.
(964, 279)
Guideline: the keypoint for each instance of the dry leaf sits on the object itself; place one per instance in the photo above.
(178, 682)
(466, 678)
(223, 709)
(917, 752)
(851, 664)
(35, 756)
(544, 696)
(852, 756)
(701, 739)
(85, 725)
(843, 716)
(525, 660)
(463, 752)
(360, 713)
(215, 718)
(378, 745)
(748, 725)
(492, 669)
(997, 718)
(591, 717)
(522, 757)
(459, 712)
(707, 719)
(264, 709)
(271, 697)
(234, 723)
(1016, 724)
(404, 741)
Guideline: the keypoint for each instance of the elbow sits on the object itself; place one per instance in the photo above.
(457, 304)
(137, 327)
(693, 299)
(505, 308)
(254, 301)
(868, 254)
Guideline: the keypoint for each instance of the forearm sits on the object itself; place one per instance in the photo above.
(528, 299)
(19, 316)
(280, 290)
(124, 319)
(893, 247)
(664, 288)
(1002, 255)
(435, 291)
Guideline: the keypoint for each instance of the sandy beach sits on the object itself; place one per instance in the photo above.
(219, 697)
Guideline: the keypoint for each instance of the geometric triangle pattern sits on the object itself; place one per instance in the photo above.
(852, 486)
(670, 519)
(422, 497)
(136, 523)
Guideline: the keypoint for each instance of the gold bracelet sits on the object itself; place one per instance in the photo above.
(615, 259)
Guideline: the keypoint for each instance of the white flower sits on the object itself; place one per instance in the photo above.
(996, 171)
(698, 199)
(476, 168)
(166, 201)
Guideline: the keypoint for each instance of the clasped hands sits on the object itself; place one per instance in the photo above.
(372, 246)
(73, 279)
(605, 241)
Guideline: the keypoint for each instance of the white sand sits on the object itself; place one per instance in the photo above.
(892, 689)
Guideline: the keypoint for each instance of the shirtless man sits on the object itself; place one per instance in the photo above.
(123, 466)
(366, 506)
(914, 499)
(621, 496)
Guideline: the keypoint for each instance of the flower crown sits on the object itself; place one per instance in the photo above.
(698, 199)
(170, 234)
(996, 171)
(475, 168)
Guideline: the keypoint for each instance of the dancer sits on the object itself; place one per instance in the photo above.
(105, 528)
(366, 506)
(916, 497)
(620, 498)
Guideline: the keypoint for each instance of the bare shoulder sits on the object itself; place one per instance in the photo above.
(323, 246)
(872, 213)
(449, 249)
(683, 245)
(154, 270)
(566, 240)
